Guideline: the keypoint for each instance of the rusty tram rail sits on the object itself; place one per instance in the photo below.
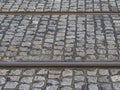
(58, 12)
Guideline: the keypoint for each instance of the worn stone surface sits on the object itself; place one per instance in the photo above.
(64, 37)
(43, 79)
(59, 5)
(60, 38)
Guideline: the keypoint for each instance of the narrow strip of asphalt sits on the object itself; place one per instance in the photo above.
(58, 13)
(60, 64)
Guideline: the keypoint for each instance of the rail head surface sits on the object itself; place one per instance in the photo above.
(59, 64)
(58, 12)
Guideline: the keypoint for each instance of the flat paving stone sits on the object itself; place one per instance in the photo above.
(60, 5)
(42, 81)
(60, 38)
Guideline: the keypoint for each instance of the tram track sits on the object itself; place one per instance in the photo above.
(58, 13)
(65, 63)
(44, 73)
(61, 64)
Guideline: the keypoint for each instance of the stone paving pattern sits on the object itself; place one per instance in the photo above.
(59, 5)
(59, 37)
(60, 79)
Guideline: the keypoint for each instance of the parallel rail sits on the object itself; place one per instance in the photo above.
(60, 64)
(58, 13)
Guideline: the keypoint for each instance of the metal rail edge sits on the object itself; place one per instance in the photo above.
(58, 12)
(59, 64)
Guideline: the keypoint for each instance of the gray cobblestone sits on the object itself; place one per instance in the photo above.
(92, 72)
(11, 85)
(66, 88)
(93, 87)
(92, 79)
(2, 80)
(42, 79)
(66, 81)
(26, 79)
(24, 87)
(79, 78)
(79, 85)
(38, 84)
(3, 71)
(60, 38)
(76, 5)
(104, 79)
(67, 73)
(103, 72)
(29, 72)
(15, 72)
(105, 87)
(115, 78)
(116, 86)
(13, 78)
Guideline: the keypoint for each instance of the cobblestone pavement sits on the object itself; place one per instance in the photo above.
(63, 37)
(60, 79)
(59, 5)
(59, 37)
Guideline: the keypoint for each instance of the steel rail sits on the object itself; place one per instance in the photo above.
(57, 13)
(59, 64)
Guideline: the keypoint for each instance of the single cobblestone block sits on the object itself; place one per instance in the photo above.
(38, 84)
(115, 78)
(104, 79)
(39, 78)
(52, 82)
(52, 88)
(103, 72)
(67, 72)
(37, 89)
(115, 71)
(79, 78)
(13, 78)
(53, 76)
(11, 85)
(55, 71)
(92, 72)
(24, 87)
(66, 88)
(116, 86)
(10, 54)
(78, 58)
(93, 87)
(80, 85)
(105, 87)
(29, 72)
(66, 81)
(57, 58)
(91, 79)
(15, 72)
(42, 72)
(26, 80)
(45, 57)
(78, 72)
(3, 71)
(2, 80)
